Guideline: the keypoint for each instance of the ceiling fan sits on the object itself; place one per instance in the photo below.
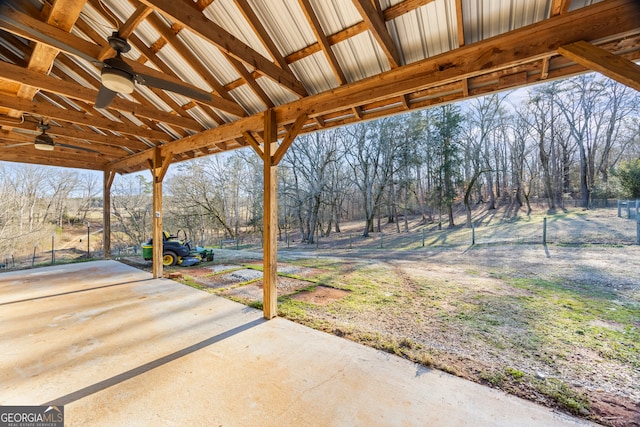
(44, 142)
(118, 75)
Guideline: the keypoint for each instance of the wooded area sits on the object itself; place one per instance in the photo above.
(562, 141)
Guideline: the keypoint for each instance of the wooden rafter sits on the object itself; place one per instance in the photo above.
(125, 133)
(322, 40)
(463, 63)
(170, 34)
(66, 130)
(43, 110)
(261, 32)
(460, 22)
(71, 44)
(559, 6)
(376, 24)
(63, 14)
(34, 79)
(126, 29)
(188, 15)
(402, 8)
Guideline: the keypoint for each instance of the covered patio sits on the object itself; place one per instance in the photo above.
(117, 347)
(122, 86)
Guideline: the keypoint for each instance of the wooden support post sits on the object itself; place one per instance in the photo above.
(159, 167)
(270, 237)
(107, 181)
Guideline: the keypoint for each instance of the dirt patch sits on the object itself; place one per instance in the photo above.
(253, 292)
(321, 295)
(294, 270)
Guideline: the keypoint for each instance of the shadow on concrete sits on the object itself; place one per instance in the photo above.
(74, 292)
(109, 382)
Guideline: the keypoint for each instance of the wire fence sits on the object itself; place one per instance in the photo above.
(618, 224)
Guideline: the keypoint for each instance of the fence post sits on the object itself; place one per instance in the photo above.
(33, 259)
(350, 240)
(423, 237)
(473, 234)
(53, 249)
(637, 228)
(380, 240)
(619, 209)
(544, 231)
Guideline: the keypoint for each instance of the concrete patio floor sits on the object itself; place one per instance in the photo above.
(118, 348)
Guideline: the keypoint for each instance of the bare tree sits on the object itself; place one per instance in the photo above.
(131, 207)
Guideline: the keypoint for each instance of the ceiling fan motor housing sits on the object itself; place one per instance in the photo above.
(44, 142)
(117, 80)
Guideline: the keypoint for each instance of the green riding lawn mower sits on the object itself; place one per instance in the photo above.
(176, 250)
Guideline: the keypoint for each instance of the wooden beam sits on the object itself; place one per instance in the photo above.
(44, 110)
(406, 6)
(377, 26)
(126, 29)
(253, 142)
(322, 40)
(167, 157)
(604, 62)
(262, 34)
(251, 81)
(62, 14)
(107, 181)
(518, 47)
(32, 156)
(559, 6)
(168, 75)
(133, 160)
(71, 44)
(187, 14)
(156, 172)
(544, 71)
(47, 83)
(170, 34)
(460, 22)
(67, 130)
(288, 139)
(35, 30)
(270, 218)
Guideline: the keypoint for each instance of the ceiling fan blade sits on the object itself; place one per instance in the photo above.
(17, 145)
(75, 147)
(105, 96)
(182, 89)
